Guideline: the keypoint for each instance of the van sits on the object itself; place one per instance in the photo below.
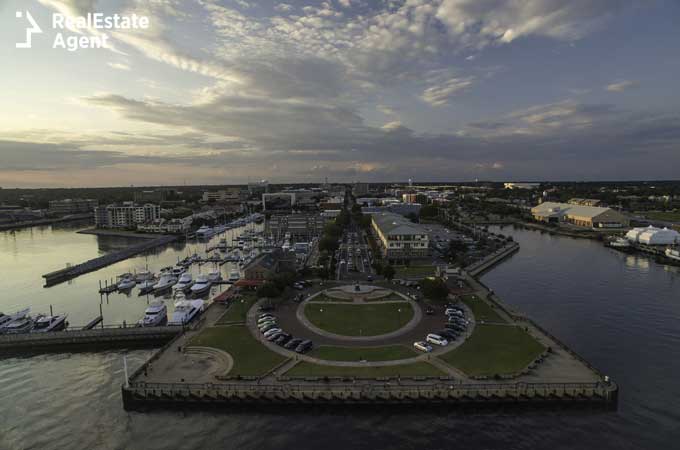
(436, 339)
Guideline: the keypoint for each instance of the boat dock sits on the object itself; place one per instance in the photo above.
(87, 339)
(59, 276)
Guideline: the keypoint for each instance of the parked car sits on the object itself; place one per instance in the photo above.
(436, 339)
(266, 319)
(274, 336)
(370, 277)
(422, 346)
(264, 308)
(282, 339)
(298, 286)
(448, 335)
(429, 310)
(304, 346)
(293, 343)
(272, 332)
(265, 328)
(266, 324)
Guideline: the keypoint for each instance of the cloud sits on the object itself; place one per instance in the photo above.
(621, 86)
(118, 66)
(283, 7)
(441, 93)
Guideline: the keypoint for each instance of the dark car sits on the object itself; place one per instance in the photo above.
(264, 308)
(268, 327)
(448, 334)
(429, 310)
(304, 346)
(282, 339)
(293, 343)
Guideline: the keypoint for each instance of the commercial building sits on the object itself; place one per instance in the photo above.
(403, 209)
(360, 189)
(72, 206)
(398, 238)
(584, 201)
(229, 195)
(653, 236)
(582, 216)
(302, 227)
(172, 226)
(278, 202)
(126, 215)
(521, 185)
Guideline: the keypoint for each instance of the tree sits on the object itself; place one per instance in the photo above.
(413, 217)
(328, 244)
(435, 289)
(429, 211)
(378, 267)
(268, 290)
(388, 272)
(322, 273)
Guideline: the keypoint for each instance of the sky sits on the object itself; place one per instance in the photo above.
(231, 91)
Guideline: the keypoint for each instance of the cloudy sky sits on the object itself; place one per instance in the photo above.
(226, 91)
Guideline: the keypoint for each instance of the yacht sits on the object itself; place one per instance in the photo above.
(186, 311)
(5, 319)
(201, 286)
(234, 276)
(166, 281)
(45, 323)
(143, 275)
(22, 325)
(178, 270)
(126, 283)
(156, 314)
(147, 286)
(214, 277)
(620, 243)
(184, 282)
(205, 232)
(673, 253)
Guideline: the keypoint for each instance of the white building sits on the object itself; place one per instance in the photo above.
(399, 239)
(127, 215)
(653, 236)
(522, 185)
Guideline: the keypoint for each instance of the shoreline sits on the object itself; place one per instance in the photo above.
(120, 233)
(41, 222)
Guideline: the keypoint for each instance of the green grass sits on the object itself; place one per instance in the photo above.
(388, 298)
(251, 358)
(324, 298)
(668, 216)
(359, 320)
(237, 310)
(481, 309)
(386, 353)
(495, 350)
(420, 369)
(413, 271)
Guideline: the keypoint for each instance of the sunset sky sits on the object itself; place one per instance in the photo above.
(226, 91)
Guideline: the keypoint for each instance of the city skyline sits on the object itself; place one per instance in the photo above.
(226, 92)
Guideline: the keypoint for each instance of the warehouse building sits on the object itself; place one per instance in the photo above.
(581, 216)
(653, 236)
(398, 238)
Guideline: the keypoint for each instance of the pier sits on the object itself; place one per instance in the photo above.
(68, 273)
(87, 339)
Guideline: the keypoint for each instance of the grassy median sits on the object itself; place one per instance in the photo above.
(421, 369)
(359, 320)
(495, 350)
(237, 311)
(251, 358)
(386, 353)
(482, 311)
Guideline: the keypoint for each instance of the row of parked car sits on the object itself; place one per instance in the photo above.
(266, 323)
(456, 324)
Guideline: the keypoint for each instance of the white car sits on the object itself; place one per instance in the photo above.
(453, 312)
(272, 332)
(436, 339)
(266, 319)
(422, 346)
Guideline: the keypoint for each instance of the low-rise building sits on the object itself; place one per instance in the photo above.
(653, 236)
(126, 215)
(521, 185)
(72, 206)
(398, 238)
(584, 201)
(172, 226)
(582, 216)
(228, 195)
(301, 227)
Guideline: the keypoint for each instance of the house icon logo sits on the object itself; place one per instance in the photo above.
(30, 31)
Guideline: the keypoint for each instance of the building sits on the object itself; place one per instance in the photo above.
(332, 203)
(403, 209)
(581, 216)
(258, 187)
(72, 206)
(264, 266)
(150, 196)
(278, 202)
(126, 215)
(585, 201)
(302, 227)
(398, 238)
(410, 198)
(521, 185)
(172, 226)
(360, 189)
(653, 236)
(229, 195)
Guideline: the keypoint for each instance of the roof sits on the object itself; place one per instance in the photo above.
(265, 260)
(394, 224)
(554, 208)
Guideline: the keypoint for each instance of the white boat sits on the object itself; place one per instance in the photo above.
(126, 284)
(166, 281)
(6, 319)
(155, 315)
(184, 282)
(18, 326)
(234, 276)
(620, 243)
(45, 323)
(143, 275)
(186, 311)
(147, 286)
(178, 270)
(201, 286)
(214, 277)
(673, 253)
(205, 232)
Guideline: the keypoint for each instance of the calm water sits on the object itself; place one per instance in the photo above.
(619, 311)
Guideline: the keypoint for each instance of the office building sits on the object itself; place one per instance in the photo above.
(581, 216)
(72, 206)
(398, 238)
(126, 215)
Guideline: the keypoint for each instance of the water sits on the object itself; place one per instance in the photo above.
(27, 254)
(621, 312)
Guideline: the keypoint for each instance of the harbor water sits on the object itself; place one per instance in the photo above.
(621, 312)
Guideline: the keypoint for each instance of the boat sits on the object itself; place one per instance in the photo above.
(234, 276)
(184, 283)
(214, 277)
(205, 232)
(45, 324)
(18, 326)
(178, 270)
(201, 286)
(673, 254)
(127, 283)
(155, 315)
(186, 311)
(166, 281)
(143, 275)
(620, 243)
(5, 319)
(147, 286)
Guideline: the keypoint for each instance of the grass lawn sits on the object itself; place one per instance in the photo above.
(387, 353)
(413, 271)
(481, 310)
(237, 310)
(495, 349)
(421, 369)
(668, 216)
(387, 298)
(359, 320)
(324, 298)
(251, 358)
